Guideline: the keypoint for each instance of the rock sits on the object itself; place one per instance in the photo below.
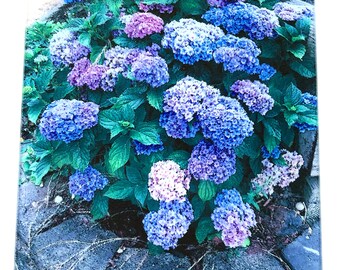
(315, 165)
(23, 260)
(241, 261)
(77, 243)
(312, 199)
(304, 252)
(307, 144)
(135, 258)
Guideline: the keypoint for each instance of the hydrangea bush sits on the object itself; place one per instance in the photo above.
(188, 109)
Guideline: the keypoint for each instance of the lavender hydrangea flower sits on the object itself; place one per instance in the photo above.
(153, 49)
(143, 24)
(167, 182)
(65, 49)
(275, 154)
(191, 40)
(65, 120)
(142, 149)
(258, 23)
(85, 183)
(226, 123)
(75, 77)
(233, 217)
(274, 175)
(310, 101)
(170, 223)
(254, 94)
(160, 7)
(221, 3)
(291, 12)
(207, 162)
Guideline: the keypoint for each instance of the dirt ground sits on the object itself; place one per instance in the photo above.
(40, 9)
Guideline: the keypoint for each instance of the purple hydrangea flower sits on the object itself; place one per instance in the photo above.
(310, 101)
(85, 183)
(274, 175)
(65, 49)
(275, 154)
(233, 217)
(153, 49)
(207, 162)
(191, 40)
(141, 25)
(258, 23)
(291, 12)
(226, 123)
(160, 7)
(221, 3)
(142, 149)
(75, 77)
(167, 182)
(65, 120)
(254, 94)
(170, 223)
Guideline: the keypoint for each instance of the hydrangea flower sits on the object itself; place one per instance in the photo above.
(170, 223)
(291, 12)
(207, 162)
(275, 154)
(160, 7)
(65, 120)
(167, 182)
(153, 49)
(274, 175)
(221, 3)
(85, 183)
(310, 101)
(142, 149)
(233, 217)
(141, 25)
(191, 40)
(237, 54)
(151, 69)
(65, 49)
(265, 72)
(226, 123)
(71, 1)
(258, 23)
(254, 94)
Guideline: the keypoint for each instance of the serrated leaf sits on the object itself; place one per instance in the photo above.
(34, 109)
(141, 192)
(305, 68)
(206, 190)
(303, 25)
(235, 180)
(114, 6)
(291, 30)
(270, 141)
(80, 151)
(108, 118)
(62, 90)
(133, 175)
(197, 7)
(255, 165)
(181, 157)
(283, 32)
(146, 135)
(290, 117)
(198, 206)
(119, 190)
(119, 153)
(99, 206)
(40, 169)
(42, 148)
(85, 39)
(204, 227)
(273, 127)
(131, 100)
(292, 95)
(155, 99)
(298, 50)
(250, 147)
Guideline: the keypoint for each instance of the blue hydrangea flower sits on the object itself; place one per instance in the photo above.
(226, 123)
(291, 12)
(142, 149)
(65, 120)
(221, 3)
(258, 23)
(311, 101)
(227, 197)
(275, 154)
(84, 184)
(65, 48)
(207, 162)
(254, 94)
(191, 40)
(71, 1)
(265, 72)
(170, 223)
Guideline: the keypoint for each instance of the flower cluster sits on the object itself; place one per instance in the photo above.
(142, 24)
(169, 223)
(226, 123)
(65, 48)
(258, 23)
(167, 182)
(142, 149)
(65, 120)
(275, 154)
(233, 217)
(265, 71)
(274, 175)
(85, 183)
(191, 40)
(310, 101)
(292, 12)
(207, 162)
(160, 7)
(71, 1)
(254, 94)
(221, 3)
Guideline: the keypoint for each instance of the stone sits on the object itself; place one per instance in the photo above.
(305, 251)
(315, 165)
(241, 261)
(136, 258)
(312, 199)
(77, 243)
(307, 144)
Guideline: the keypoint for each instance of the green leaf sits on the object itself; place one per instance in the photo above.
(235, 180)
(204, 227)
(75, 23)
(305, 68)
(131, 100)
(198, 206)
(100, 206)
(119, 153)
(298, 38)
(270, 49)
(141, 192)
(291, 30)
(42, 148)
(43, 79)
(310, 118)
(85, 39)
(153, 249)
(273, 127)
(119, 190)
(255, 165)
(288, 134)
(80, 151)
(34, 109)
(163, 2)
(280, 161)
(133, 175)
(181, 157)
(251, 147)
(197, 7)
(290, 117)
(127, 113)
(283, 32)
(303, 25)
(62, 90)
(298, 50)
(246, 243)
(146, 135)
(155, 99)
(206, 190)
(40, 169)
(270, 141)
(114, 6)
(109, 118)
(292, 96)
